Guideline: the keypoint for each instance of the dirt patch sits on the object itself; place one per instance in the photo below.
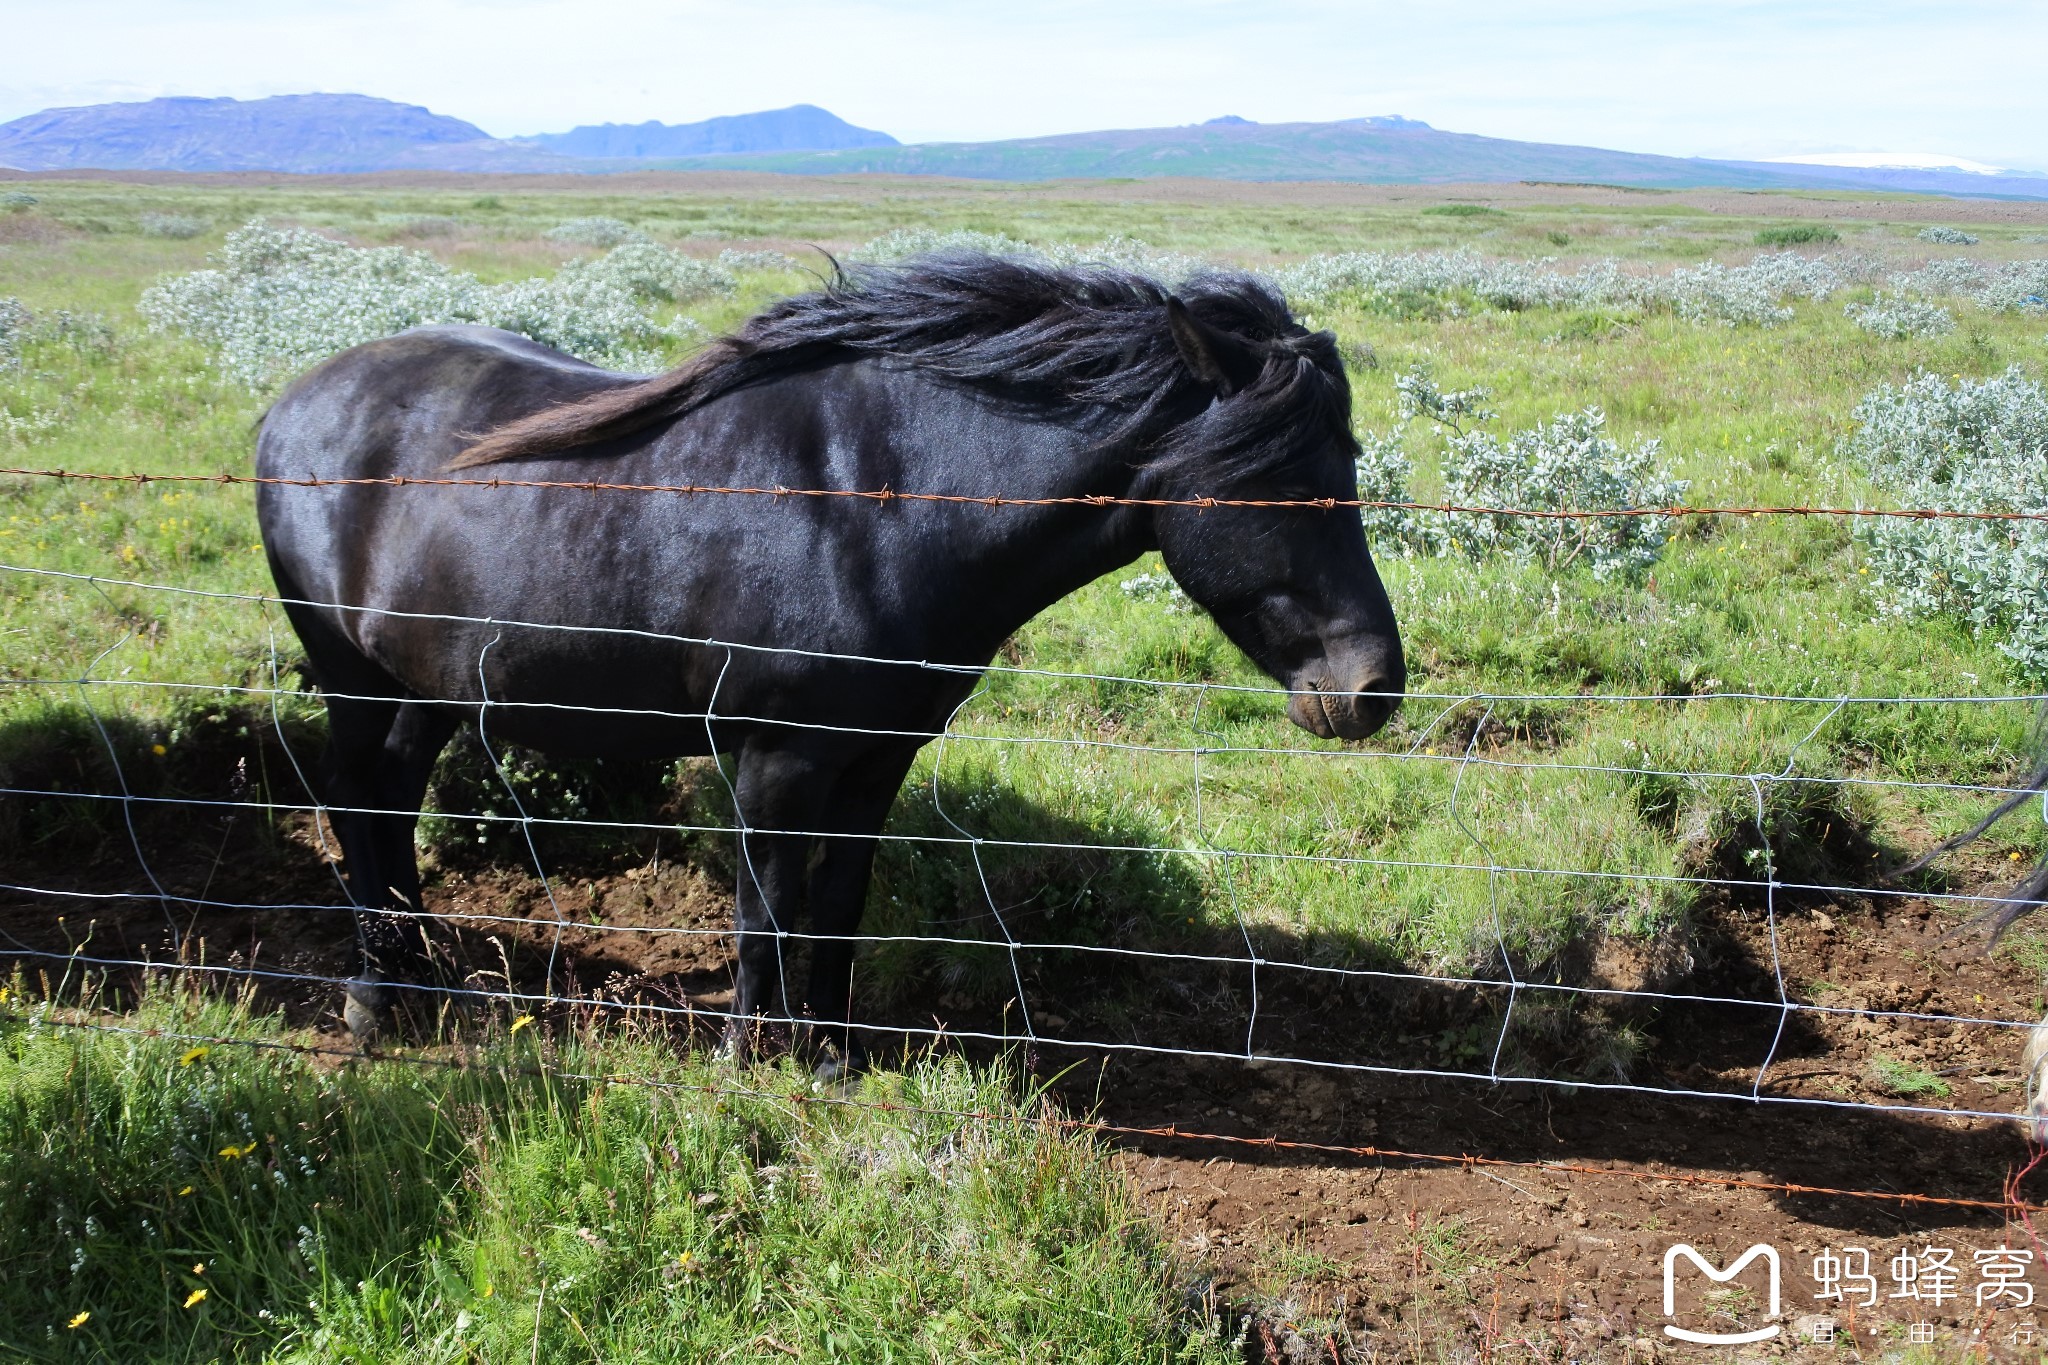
(1385, 1256)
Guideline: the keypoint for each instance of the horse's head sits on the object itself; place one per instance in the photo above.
(1294, 587)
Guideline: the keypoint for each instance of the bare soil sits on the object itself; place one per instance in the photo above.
(1334, 1256)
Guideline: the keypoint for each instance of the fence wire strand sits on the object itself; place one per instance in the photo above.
(1211, 843)
(2010, 1206)
(890, 496)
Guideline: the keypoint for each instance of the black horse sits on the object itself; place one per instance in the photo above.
(965, 374)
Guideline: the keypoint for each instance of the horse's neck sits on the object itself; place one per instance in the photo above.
(1023, 557)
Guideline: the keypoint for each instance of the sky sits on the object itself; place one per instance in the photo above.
(1724, 78)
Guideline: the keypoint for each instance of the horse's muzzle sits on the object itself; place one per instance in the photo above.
(1331, 714)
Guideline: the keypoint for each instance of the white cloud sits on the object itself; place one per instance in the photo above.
(1697, 77)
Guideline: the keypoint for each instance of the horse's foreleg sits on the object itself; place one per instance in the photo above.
(777, 790)
(415, 740)
(352, 790)
(839, 888)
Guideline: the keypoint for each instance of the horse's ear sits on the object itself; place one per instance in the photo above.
(1224, 362)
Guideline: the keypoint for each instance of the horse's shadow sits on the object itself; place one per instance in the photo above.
(1088, 955)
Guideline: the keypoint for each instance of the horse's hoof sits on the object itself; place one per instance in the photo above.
(836, 1077)
(365, 1008)
(735, 1045)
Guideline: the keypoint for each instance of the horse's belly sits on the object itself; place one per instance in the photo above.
(567, 733)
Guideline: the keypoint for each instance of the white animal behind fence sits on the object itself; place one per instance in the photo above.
(1023, 1022)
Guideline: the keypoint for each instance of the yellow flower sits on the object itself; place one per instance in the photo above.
(195, 1298)
(192, 1055)
(182, 1193)
(488, 1291)
(237, 1153)
(78, 1320)
(521, 1022)
(158, 749)
(2014, 855)
(199, 1268)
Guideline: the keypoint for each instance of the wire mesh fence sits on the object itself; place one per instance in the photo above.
(1292, 919)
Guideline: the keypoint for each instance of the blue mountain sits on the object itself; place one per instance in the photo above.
(799, 128)
(179, 133)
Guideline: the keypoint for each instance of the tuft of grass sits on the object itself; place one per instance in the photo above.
(520, 1206)
(1796, 234)
(1906, 1080)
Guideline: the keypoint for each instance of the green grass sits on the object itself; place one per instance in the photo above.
(1769, 605)
(1797, 234)
(506, 1209)
(459, 1214)
(1906, 1080)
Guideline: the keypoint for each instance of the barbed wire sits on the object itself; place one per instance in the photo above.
(888, 496)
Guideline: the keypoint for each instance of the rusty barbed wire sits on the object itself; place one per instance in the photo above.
(889, 495)
(2009, 1205)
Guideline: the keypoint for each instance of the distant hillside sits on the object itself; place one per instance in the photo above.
(801, 127)
(284, 133)
(1393, 150)
(341, 133)
(1385, 150)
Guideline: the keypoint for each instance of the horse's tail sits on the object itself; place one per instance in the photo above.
(2030, 893)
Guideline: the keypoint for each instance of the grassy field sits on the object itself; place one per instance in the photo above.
(1780, 606)
(173, 1200)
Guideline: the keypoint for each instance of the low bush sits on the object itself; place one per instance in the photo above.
(1971, 445)
(280, 299)
(1900, 316)
(1947, 235)
(1709, 292)
(599, 231)
(1796, 234)
(1126, 253)
(14, 320)
(1463, 211)
(1566, 464)
(176, 226)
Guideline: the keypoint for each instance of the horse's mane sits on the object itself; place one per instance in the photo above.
(1072, 338)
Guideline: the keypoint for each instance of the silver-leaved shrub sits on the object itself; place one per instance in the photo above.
(280, 299)
(1125, 253)
(2011, 287)
(1899, 316)
(1947, 235)
(1747, 295)
(649, 270)
(177, 226)
(14, 320)
(1568, 464)
(1975, 445)
(1158, 587)
(594, 232)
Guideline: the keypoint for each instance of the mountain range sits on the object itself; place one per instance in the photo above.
(315, 134)
(353, 133)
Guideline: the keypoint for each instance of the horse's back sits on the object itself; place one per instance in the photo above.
(407, 404)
